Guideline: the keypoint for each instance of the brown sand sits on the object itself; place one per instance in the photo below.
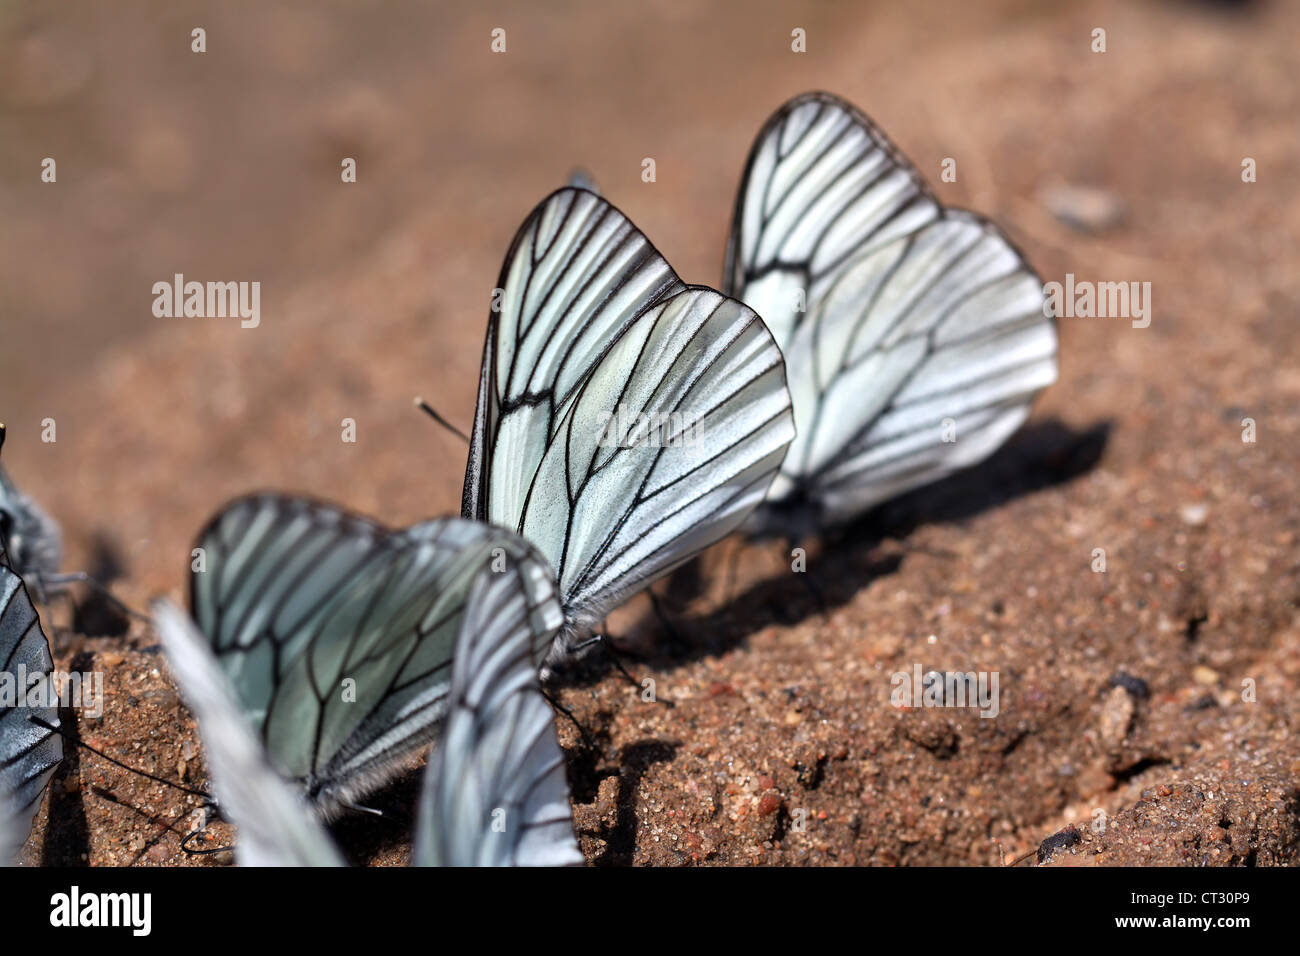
(1122, 707)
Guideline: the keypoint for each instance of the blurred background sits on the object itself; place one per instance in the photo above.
(1123, 165)
(225, 166)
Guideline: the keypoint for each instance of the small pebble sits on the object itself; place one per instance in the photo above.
(1206, 676)
(1116, 717)
(1062, 840)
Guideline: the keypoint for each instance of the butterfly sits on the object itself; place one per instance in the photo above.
(595, 336)
(35, 546)
(29, 751)
(336, 634)
(494, 791)
(29, 535)
(625, 421)
(915, 335)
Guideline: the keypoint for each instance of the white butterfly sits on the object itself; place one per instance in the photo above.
(914, 335)
(494, 792)
(34, 544)
(336, 635)
(29, 752)
(595, 336)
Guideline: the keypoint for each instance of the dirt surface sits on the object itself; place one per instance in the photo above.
(1153, 706)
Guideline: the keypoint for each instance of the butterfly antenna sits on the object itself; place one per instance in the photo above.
(2, 436)
(77, 741)
(432, 413)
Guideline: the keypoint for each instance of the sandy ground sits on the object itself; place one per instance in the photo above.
(1153, 706)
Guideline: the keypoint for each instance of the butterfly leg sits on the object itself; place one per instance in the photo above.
(560, 708)
(733, 567)
(675, 638)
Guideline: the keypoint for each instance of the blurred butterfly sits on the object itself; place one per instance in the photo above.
(914, 335)
(593, 344)
(494, 791)
(29, 535)
(336, 635)
(29, 752)
(35, 546)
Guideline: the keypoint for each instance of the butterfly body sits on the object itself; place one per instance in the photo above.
(794, 517)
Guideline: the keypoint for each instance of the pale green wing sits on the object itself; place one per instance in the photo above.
(337, 634)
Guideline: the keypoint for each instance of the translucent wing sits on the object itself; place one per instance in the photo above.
(495, 793)
(276, 824)
(597, 349)
(337, 634)
(914, 335)
(28, 752)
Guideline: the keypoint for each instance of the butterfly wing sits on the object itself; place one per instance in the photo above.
(596, 337)
(336, 633)
(495, 793)
(29, 752)
(914, 336)
(276, 824)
